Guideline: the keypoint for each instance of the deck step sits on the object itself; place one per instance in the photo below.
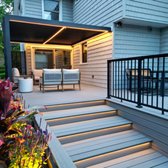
(87, 126)
(92, 147)
(147, 158)
(74, 105)
(78, 114)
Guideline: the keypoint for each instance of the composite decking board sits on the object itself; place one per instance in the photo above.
(151, 163)
(108, 149)
(77, 111)
(85, 126)
(132, 160)
(102, 144)
(124, 159)
(96, 140)
(58, 152)
(162, 165)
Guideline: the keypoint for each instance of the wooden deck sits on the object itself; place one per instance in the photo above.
(53, 96)
(93, 135)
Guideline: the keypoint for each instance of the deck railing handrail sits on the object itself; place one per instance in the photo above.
(141, 80)
(138, 57)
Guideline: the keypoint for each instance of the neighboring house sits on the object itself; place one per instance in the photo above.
(138, 28)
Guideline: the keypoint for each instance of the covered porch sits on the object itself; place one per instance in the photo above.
(52, 44)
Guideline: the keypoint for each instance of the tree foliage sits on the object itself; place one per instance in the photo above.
(6, 7)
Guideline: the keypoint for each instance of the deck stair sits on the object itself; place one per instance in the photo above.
(95, 136)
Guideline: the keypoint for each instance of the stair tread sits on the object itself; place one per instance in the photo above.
(104, 144)
(76, 111)
(146, 158)
(90, 125)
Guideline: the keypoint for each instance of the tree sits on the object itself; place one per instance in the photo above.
(6, 7)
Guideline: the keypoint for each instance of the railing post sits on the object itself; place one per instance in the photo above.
(139, 83)
(108, 78)
(162, 89)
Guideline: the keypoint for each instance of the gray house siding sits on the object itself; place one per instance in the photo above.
(136, 41)
(148, 10)
(100, 12)
(33, 8)
(67, 10)
(164, 40)
(94, 72)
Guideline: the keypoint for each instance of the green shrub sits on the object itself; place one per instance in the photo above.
(2, 72)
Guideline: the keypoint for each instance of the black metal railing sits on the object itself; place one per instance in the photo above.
(141, 80)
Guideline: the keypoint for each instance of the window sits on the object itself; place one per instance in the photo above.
(63, 59)
(43, 59)
(51, 9)
(84, 53)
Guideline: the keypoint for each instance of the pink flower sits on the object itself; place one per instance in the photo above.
(1, 142)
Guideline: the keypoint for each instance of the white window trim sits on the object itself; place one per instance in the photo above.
(42, 9)
(60, 11)
(23, 7)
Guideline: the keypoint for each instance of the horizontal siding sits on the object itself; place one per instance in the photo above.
(154, 127)
(148, 10)
(100, 12)
(99, 50)
(33, 8)
(28, 60)
(67, 10)
(136, 41)
(164, 40)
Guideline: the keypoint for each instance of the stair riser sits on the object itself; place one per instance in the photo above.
(87, 117)
(112, 155)
(91, 134)
(74, 105)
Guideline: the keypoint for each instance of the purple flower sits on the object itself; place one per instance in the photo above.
(6, 95)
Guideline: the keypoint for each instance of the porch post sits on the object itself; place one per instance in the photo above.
(7, 47)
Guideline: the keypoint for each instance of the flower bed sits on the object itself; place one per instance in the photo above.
(21, 143)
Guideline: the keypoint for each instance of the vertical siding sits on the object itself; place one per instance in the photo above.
(99, 12)
(67, 10)
(33, 8)
(164, 40)
(136, 41)
(28, 60)
(148, 10)
(99, 50)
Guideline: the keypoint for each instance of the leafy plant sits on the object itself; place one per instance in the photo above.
(21, 144)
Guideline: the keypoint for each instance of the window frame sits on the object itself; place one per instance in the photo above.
(82, 53)
(59, 12)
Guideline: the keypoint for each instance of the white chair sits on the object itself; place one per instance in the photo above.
(51, 78)
(37, 74)
(71, 77)
(16, 75)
